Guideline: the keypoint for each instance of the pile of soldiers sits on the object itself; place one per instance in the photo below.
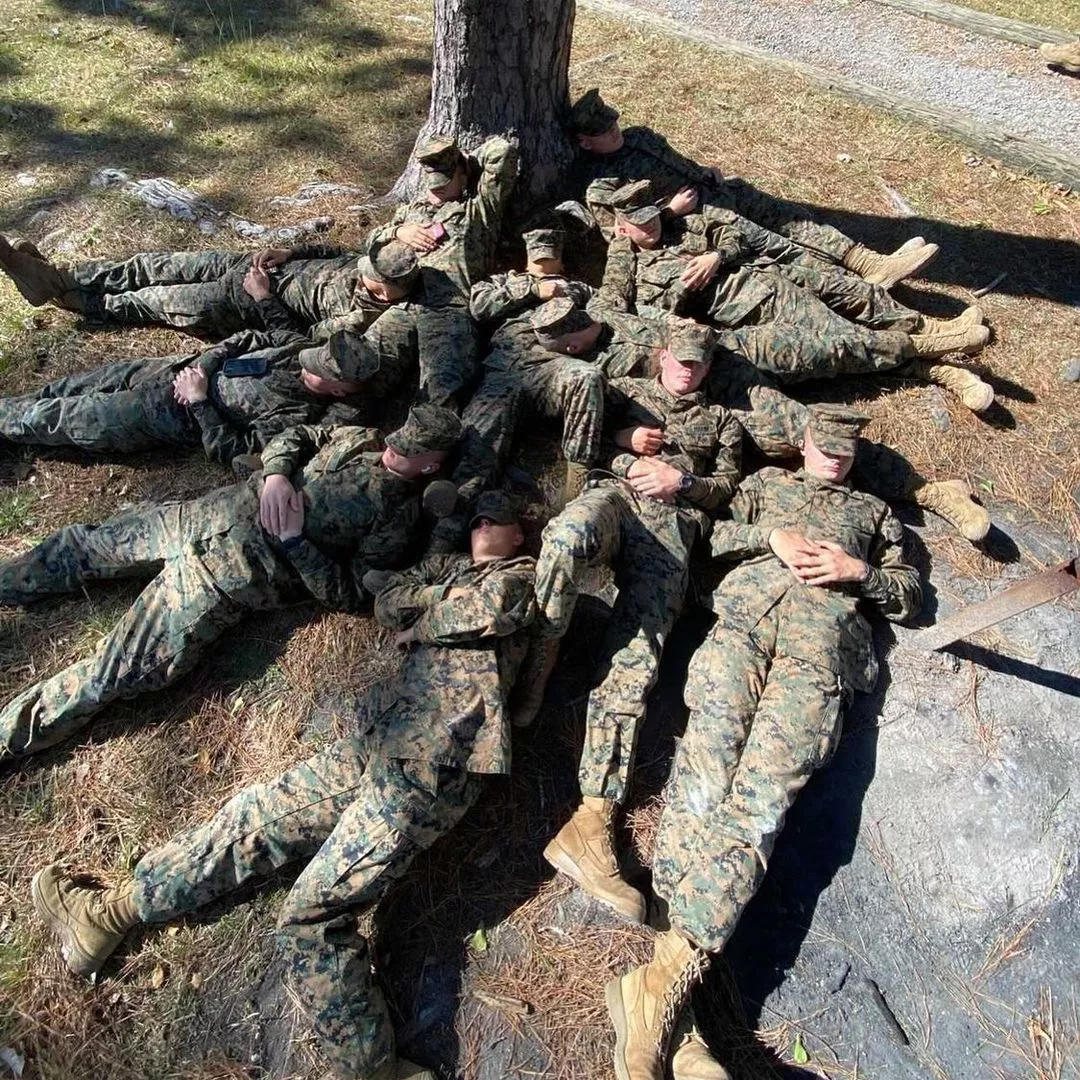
(682, 364)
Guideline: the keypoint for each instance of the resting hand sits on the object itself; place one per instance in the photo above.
(700, 270)
(281, 508)
(270, 257)
(257, 284)
(551, 287)
(789, 546)
(642, 440)
(190, 385)
(828, 564)
(654, 478)
(683, 202)
(416, 236)
(404, 638)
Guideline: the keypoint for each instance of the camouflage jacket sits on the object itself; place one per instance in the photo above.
(502, 296)
(472, 227)
(700, 439)
(819, 624)
(357, 517)
(255, 392)
(449, 705)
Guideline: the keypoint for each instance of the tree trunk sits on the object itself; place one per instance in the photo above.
(501, 65)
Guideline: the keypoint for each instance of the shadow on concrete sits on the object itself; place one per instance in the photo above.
(1060, 681)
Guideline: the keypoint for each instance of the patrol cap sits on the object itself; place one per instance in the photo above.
(428, 429)
(591, 114)
(690, 342)
(550, 321)
(835, 429)
(495, 506)
(344, 358)
(394, 263)
(634, 202)
(439, 158)
(543, 243)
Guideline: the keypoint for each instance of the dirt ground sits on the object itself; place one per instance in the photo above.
(935, 857)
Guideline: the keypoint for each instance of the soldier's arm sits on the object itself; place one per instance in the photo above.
(498, 160)
(320, 251)
(242, 343)
(502, 296)
(618, 287)
(285, 454)
(222, 441)
(336, 585)
(741, 538)
(892, 585)
(499, 604)
(381, 234)
(409, 593)
(352, 322)
(616, 403)
(391, 537)
(712, 491)
(655, 144)
(725, 234)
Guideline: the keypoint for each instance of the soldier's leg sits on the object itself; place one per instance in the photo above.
(652, 574)
(159, 638)
(401, 808)
(449, 346)
(853, 298)
(149, 268)
(570, 390)
(793, 732)
(488, 425)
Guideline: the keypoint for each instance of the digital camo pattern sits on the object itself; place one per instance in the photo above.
(254, 393)
(358, 812)
(766, 688)
(503, 296)
(202, 292)
(647, 543)
(209, 564)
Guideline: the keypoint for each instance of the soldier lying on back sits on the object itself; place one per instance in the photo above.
(355, 814)
(232, 398)
(326, 508)
(313, 289)
(765, 691)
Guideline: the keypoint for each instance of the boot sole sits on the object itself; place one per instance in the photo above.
(613, 999)
(558, 858)
(77, 961)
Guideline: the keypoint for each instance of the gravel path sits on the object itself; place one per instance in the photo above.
(993, 82)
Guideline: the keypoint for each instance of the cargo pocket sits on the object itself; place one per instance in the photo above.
(832, 724)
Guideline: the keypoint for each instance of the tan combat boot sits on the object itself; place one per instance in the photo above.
(938, 341)
(975, 394)
(400, 1069)
(951, 500)
(970, 316)
(584, 850)
(90, 922)
(574, 484)
(645, 1004)
(532, 680)
(887, 270)
(910, 245)
(692, 1059)
(36, 278)
(1065, 56)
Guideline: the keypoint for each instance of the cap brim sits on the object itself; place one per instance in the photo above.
(641, 216)
(542, 253)
(320, 363)
(833, 446)
(433, 179)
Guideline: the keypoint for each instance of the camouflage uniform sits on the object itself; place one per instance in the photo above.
(356, 814)
(254, 392)
(202, 292)
(648, 545)
(210, 564)
(436, 322)
(776, 325)
(766, 688)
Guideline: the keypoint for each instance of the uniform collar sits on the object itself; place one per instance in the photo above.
(815, 482)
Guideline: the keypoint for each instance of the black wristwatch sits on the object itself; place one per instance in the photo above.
(686, 483)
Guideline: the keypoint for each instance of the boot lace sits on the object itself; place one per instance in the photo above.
(691, 974)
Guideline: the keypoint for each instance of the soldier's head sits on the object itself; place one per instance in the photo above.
(420, 446)
(389, 272)
(494, 531)
(830, 441)
(595, 124)
(563, 327)
(543, 252)
(637, 216)
(443, 169)
(336, 369)
(686, 356)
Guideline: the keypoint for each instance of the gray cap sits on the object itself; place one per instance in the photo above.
(495, 506)
(835, 428)
(427, 430)
(551, 320)
(439, 158)
(690, 342)
(344, 358)
(591, 114)
(393, 263)
(543, 243)
(634, 202)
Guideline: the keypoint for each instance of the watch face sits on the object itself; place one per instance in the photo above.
(685, 482)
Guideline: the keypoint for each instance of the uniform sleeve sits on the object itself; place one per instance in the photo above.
(497, 605)
(723, 234)
(319, 251)
(285, 454)
(502, 296)
(220, 440)
(740, 538)
(678, 163)
(712, 491)
(352, 322)
(619, 286)
(336, 585)
(616, 402)
(893, 586)
(242, 343)
(275, 315)
(498, 160)
(409, 593)
(381, 234)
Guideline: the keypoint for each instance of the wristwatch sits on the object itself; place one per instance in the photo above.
(686, 483)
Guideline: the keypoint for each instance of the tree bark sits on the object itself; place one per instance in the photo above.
(499, 66)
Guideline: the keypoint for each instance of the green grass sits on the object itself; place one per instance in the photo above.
(1055, 14)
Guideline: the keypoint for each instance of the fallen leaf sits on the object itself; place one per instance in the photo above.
(798, 1051)
(514, 1006)
(478, 942)
(157, 980)
(196, 981)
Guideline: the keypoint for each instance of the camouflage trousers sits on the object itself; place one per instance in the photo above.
(647, 544)
(850, 296)
(354, 820)
(120, 407)
(759, 726)
(793, 335)
(790, 219)
(196, 291)
(209, 565)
